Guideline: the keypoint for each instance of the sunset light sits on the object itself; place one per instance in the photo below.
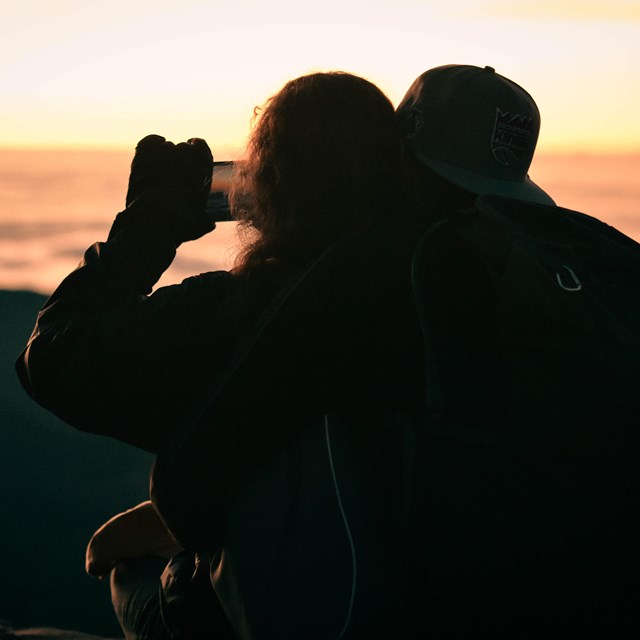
(103, 74)
(369, 372)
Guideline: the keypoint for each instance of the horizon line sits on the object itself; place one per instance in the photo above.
(112, 148)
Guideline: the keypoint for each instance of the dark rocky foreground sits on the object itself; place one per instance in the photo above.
(43, 633)
(57, 486)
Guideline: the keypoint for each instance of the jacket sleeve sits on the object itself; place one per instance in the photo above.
(106, 357)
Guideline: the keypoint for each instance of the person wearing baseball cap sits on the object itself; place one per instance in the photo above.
(509, 326)
(472, 132)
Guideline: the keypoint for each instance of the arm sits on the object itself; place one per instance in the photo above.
(97, 355)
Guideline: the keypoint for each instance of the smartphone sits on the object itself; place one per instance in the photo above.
(218, 202)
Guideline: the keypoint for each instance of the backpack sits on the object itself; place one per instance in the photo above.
(526, 491)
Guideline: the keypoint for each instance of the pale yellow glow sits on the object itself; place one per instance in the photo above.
(107, 72)
(571, 10)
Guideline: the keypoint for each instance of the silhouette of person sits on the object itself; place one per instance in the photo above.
(322, 161)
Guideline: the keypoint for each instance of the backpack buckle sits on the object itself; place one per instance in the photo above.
(576, 286)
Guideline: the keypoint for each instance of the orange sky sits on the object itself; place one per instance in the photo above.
(105, 73)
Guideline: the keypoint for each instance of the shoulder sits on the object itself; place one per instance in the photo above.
(211, 287)
(209, 299)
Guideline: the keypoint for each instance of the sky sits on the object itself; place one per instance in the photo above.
(79, 73)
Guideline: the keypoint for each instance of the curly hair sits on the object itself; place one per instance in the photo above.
(323, 159)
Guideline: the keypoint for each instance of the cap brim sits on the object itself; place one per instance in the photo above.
(484, 186)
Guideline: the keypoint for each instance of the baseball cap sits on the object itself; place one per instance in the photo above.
(475, 128)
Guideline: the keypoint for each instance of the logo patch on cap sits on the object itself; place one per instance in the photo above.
(512, 137)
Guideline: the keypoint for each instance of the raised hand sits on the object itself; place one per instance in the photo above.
(176, 180)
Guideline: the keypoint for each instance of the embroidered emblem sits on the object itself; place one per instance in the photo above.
(512, 135)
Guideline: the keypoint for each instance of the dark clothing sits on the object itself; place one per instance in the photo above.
(110, 361)
(498, 542)
(225, 396)
(343, 341)
(347, 338)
